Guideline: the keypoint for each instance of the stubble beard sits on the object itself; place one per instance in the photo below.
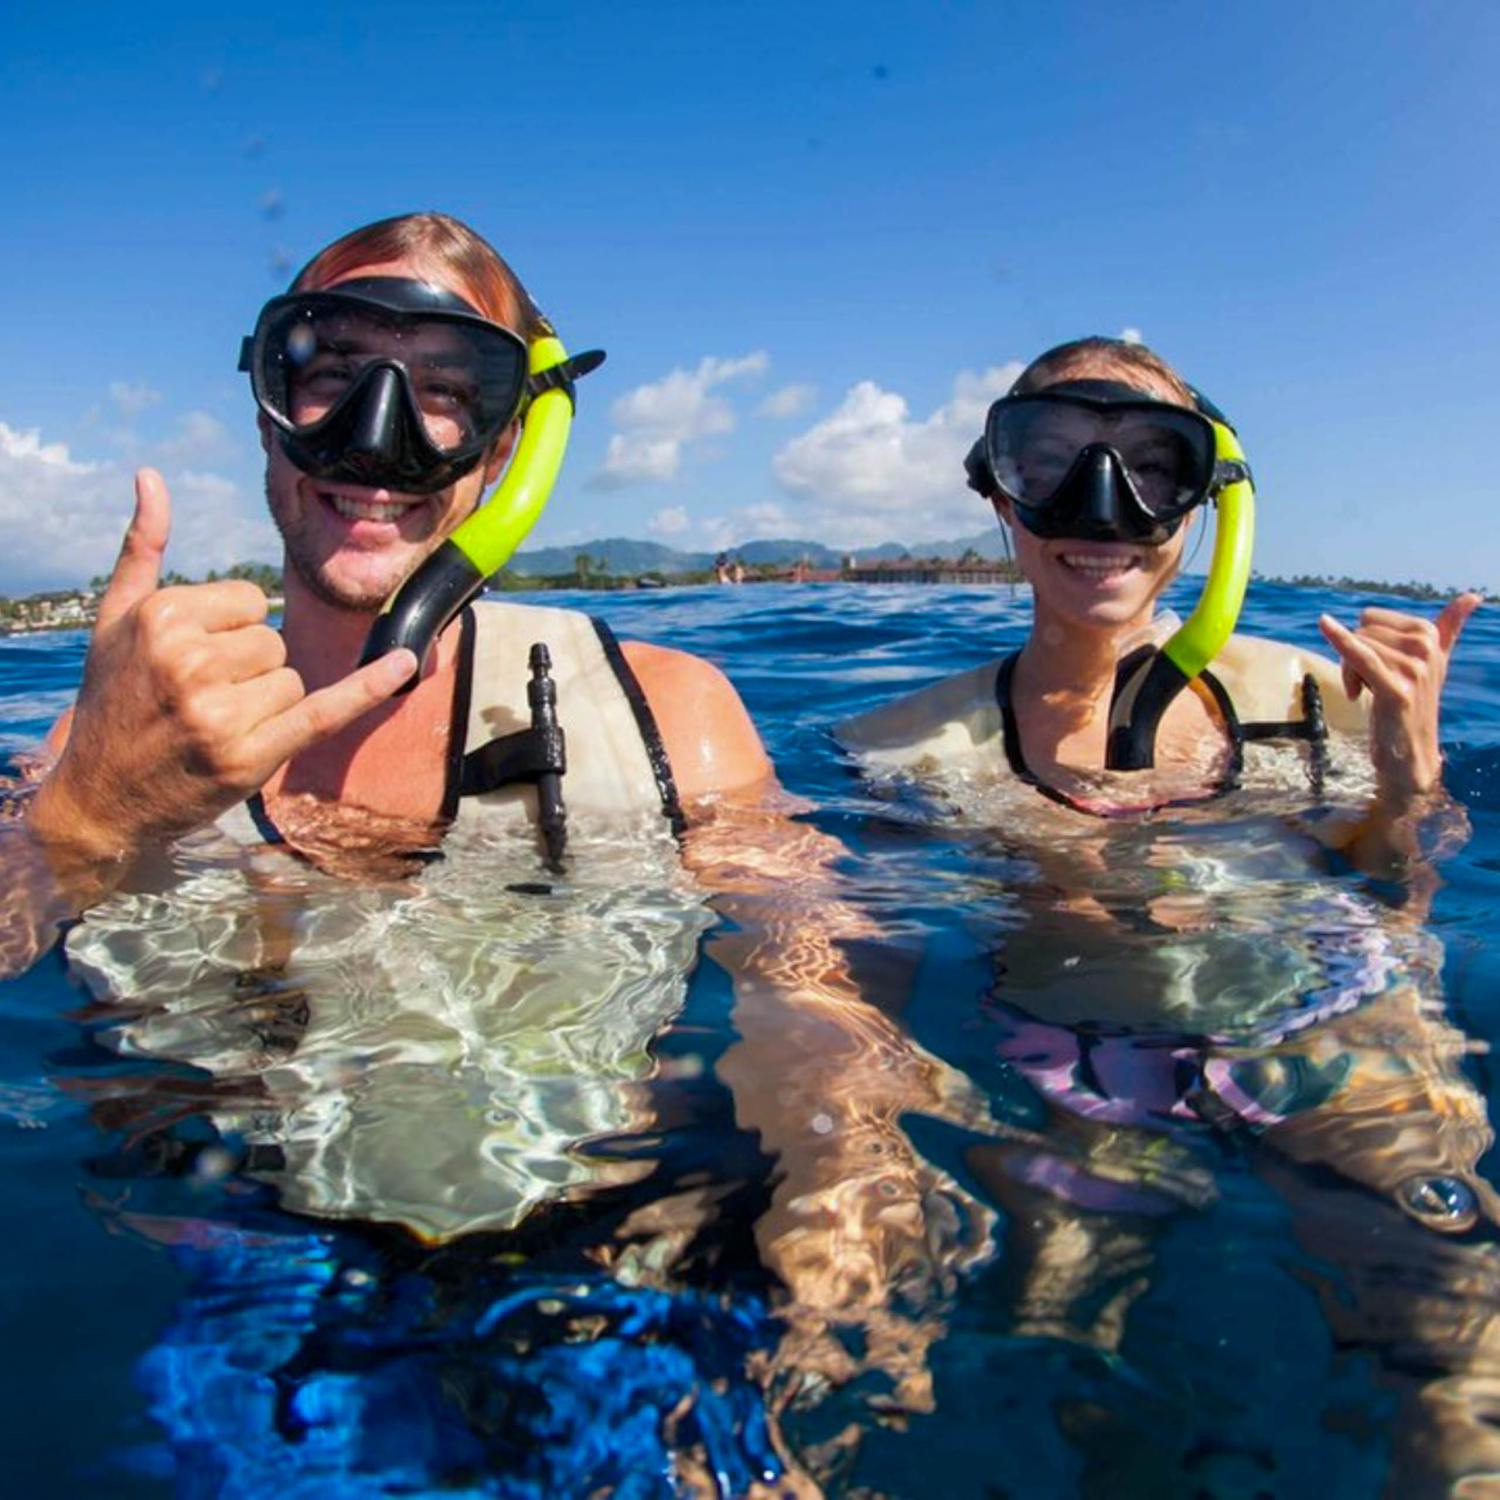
(299, 557)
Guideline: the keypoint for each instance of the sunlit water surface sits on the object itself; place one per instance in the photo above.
(1161, 1167)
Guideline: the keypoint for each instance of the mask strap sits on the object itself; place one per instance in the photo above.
(423, 605)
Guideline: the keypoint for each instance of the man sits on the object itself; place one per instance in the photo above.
(191, 703)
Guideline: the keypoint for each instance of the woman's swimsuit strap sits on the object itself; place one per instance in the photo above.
(1015, 756)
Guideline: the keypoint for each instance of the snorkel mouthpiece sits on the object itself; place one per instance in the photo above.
(424, 605)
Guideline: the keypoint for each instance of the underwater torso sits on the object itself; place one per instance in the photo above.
(1195, 967)
(432, 1051)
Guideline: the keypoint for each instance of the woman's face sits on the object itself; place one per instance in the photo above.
(1093, 584)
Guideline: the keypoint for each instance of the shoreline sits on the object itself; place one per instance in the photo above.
(933, 572)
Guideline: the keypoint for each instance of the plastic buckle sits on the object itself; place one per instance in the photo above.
(561, 376)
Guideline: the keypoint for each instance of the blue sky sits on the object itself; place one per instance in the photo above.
(814, 239)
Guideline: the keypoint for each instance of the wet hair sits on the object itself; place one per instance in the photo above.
(444, 244)
(1121, 356)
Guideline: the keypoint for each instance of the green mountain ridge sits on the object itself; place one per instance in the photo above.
(625, 556)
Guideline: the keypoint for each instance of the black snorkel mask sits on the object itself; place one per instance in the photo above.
(390, 383)
(1097, 460)
(384, 382)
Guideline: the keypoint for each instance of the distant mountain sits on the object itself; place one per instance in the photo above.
(626, 558)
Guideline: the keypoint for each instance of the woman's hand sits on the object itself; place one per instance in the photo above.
(1402, 660)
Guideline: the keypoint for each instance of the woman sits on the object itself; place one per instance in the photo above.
(1090, 462)
(1174, 972)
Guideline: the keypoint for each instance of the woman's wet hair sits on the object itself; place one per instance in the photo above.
(445, 244)
(1122, 357)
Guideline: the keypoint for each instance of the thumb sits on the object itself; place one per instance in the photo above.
(1454, 617)
(138, 566)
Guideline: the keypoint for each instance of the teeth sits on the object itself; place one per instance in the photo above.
(368, 510)
(1098, 564)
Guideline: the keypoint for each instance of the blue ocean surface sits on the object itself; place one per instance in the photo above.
(1166, 1168)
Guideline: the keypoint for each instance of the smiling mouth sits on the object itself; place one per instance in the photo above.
(353, 508)
(1095, 565)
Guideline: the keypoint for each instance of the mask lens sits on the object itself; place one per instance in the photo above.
(1035, 441)
(465, 380)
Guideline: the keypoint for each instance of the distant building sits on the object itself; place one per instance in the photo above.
(64, 609)
(932, 570)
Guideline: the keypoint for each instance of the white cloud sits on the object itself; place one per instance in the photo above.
(72, 514)
(672, 521)
(27, 449)
(764, 521)
(215, 524)
(200, 436)
(637, 459)
(658, 420)
(789, 401)
(132, 399)
(1131, 336)
(870, 472)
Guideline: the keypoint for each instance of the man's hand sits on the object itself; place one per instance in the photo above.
(187, 703)
(1403, 661)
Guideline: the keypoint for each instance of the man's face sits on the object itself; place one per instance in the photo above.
(352, 546)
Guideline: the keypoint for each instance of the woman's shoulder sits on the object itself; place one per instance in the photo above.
(1264, 679)
(943, 720)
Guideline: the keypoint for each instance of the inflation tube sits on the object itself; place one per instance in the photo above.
(1142, 696)
(418, 611)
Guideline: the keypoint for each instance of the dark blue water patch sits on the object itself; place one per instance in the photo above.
(295, 1361)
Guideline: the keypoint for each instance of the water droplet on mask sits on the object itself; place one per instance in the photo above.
(1438, 1198)
(300, 343)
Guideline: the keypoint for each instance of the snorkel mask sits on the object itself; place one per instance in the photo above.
(1097, 460)
(399, 384)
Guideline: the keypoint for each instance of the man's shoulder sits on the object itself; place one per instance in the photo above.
(710, 739)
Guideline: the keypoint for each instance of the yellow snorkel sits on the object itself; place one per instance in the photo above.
(420, 609)
(1147, 686)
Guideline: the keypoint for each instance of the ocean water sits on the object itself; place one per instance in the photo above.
(1131, 1159)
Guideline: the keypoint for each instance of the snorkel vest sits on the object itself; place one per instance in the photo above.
(1264, 690)
(618, 776)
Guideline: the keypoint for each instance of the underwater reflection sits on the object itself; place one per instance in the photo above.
(472, 1191)
(423, 1052)
(464, 1198)
(1197, 1000)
